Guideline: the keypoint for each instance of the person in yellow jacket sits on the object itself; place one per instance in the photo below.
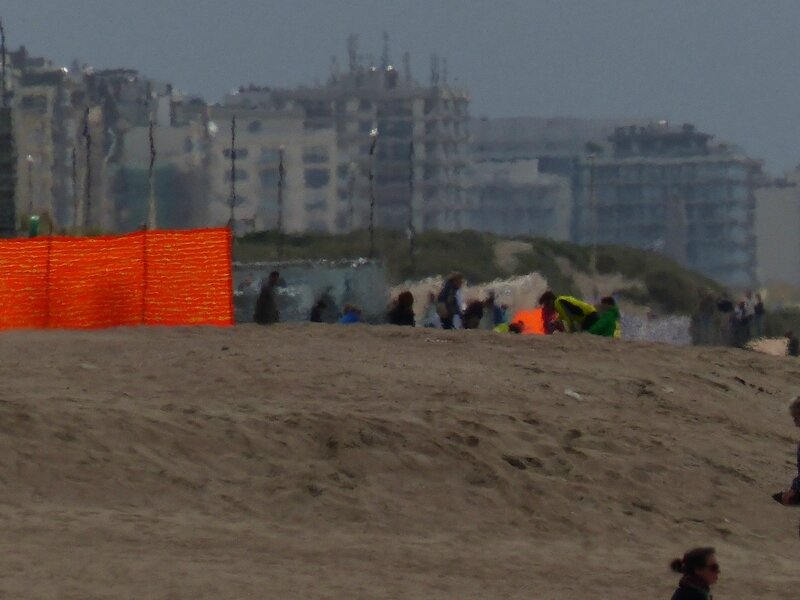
(574, 314)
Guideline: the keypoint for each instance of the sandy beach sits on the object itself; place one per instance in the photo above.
(372, 462)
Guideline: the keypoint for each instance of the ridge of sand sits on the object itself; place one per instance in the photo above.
(333, 462)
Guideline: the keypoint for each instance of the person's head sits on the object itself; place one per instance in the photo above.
(274, 277)
(758, 298)
(405, 299)
(699, 562)
(607, 302)
(547, 300)
(794, 410)
(788, 335)
(457, 279)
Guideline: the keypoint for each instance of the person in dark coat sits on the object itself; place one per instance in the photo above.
(699, 570)
(266, 312)
(792, 344)
(317, 311)
(792, 495)
(473, 315)
(402, 312)
(447, 304)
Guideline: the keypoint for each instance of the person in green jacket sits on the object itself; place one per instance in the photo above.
(608, 322)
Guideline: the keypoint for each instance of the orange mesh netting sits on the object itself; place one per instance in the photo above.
(532, 321)
(152, 278)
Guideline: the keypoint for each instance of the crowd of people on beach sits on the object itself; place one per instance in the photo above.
(723, 322)
(450, 310)
(718, 321)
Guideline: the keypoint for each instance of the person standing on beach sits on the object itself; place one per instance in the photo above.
(792, 344)
(448, 304)
(700, 570)
(760, 316)
(266, 312)
(792, 495)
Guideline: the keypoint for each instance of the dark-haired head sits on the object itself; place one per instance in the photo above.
(405, 299)
(608, 301)
(547, 298)
(698, 563)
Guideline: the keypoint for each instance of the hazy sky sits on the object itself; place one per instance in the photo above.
(730, 66)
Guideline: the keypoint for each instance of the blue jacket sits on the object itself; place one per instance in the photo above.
(350, 319)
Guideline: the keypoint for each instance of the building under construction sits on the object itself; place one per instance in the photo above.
(420, 153)
(668, 189)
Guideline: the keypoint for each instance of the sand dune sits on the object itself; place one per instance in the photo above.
(330, 462)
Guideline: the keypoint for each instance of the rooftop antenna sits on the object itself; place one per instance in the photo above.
(385, 55)
(407, 68)
(352, 52)
(4, 90)
(434, 70)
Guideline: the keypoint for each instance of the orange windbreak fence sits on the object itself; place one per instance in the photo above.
(146, 278)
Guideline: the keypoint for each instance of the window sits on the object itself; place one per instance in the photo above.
(241, 153)
(365, 105)
(255, 126)
(37, 103)
(269, 178)
(317, 178)
(315, 154)
(270, 155)
(398, 129)
(316, 203)
(240, 175)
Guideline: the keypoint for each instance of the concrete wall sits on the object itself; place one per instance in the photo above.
(359, 282)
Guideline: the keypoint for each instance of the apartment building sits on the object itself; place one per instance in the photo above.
(513, 198)
(51, 114)
(668, 189)
(263, 137)
(379, 100)
(778, 231)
